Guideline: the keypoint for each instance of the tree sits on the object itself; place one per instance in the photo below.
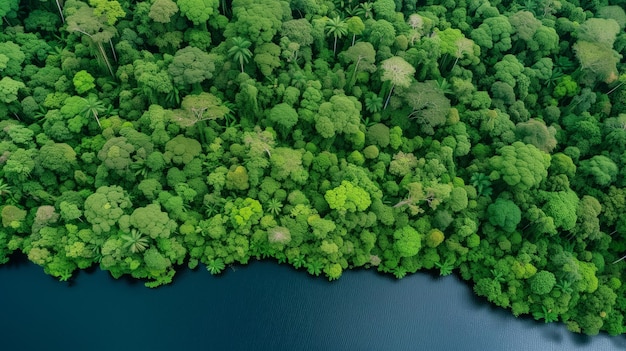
(9, 9)
(12, 216)
(398, 72)
(505, 214)
(98, 29)
(92, 107)
(599, 30)
(363, 56)
(57, 157)
(19, 165)
(153, 222)
(340, 115)
(535, 132)
(180, 150)
(11, 59)
(599, 170)
(597, 59)
(594, 49)
(562, 206)
(402, 164)
(453, 44)
(284, 116)
(336, 27)
(199, 108)
(215, 266)
(429, 105)
(239, 52)
(365, 9)
(44, 20)
(494, 33)
(385, 9)
(198, 11)
(525, 25)
(287, 164)
(584, 131)
(116, 155)
(508, 70)
(458, 199)
(521, 166)
(162, 10)
(105, 207)
(267, 58)
(111, 10)
(355, 27)
(135, 241)
(156, 263)
(191, 66)
(257, 20)
(382, 33)
(615, 132)
(83, 82)
(298, 31)
(9, 89)
(588, 223)
(333, 271)
(373, 102)
(408, 241)
(348, 197)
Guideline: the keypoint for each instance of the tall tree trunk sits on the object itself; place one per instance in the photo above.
(389, 96)
(60, 9)
(113, 50)
(356, 66)
(106, 59)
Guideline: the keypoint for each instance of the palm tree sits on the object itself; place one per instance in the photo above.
(92, 106)
(366, 10)
(135, 241)
(445, 268)
(482, 183)
(444, 86)
(338, 28)
(399, 272)
(5, 189)
(299, 261)
(314, 267)
(547, 314)
(373, 102)
(239, 52)
(274, 206)
(215, 266)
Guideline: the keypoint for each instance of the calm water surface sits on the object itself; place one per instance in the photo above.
(265, 306)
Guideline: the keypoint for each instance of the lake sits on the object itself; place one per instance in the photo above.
(265, 306)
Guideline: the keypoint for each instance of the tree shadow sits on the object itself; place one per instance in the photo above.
(16, 260)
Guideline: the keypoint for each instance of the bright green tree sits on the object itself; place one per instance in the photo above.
(408, 241)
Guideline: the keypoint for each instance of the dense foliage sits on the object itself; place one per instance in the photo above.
(482, 137)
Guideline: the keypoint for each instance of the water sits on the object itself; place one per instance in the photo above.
(265, 306)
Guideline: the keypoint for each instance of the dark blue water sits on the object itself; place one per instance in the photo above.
(264, 306)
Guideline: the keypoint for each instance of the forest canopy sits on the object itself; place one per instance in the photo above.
(485, 138)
